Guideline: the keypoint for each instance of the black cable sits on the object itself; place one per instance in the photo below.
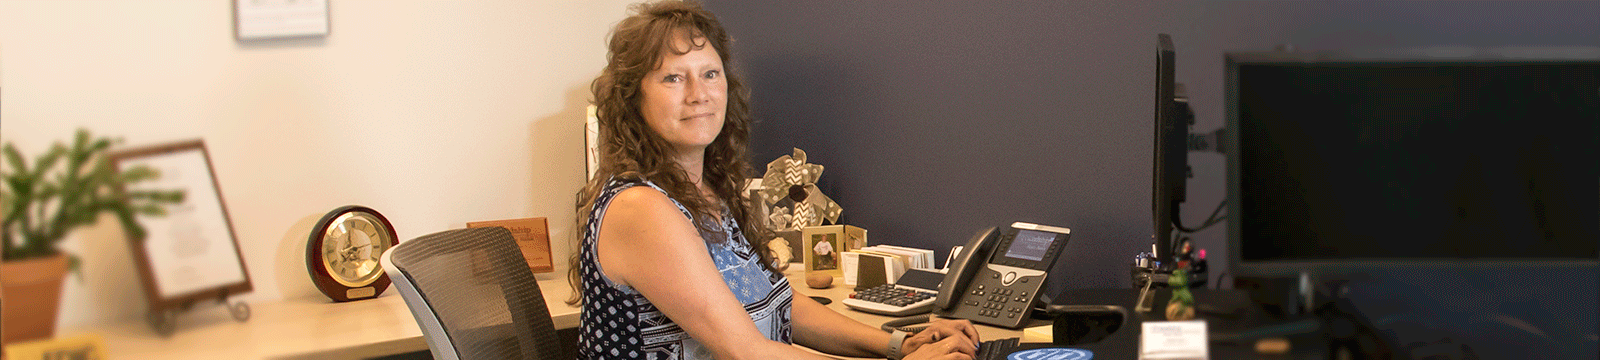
(906, 324)
(1177, 220)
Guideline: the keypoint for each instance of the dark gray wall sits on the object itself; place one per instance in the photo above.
(937, 118)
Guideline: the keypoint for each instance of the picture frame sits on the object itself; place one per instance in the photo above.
(823, 246)
(191, 254)
(280, 19)
(822, 253)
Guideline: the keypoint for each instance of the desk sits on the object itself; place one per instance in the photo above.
(316, 328)
(301, 328)
(1124, 343)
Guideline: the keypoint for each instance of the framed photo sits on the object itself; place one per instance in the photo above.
(822, 253)
(823, 245)
(191, 253)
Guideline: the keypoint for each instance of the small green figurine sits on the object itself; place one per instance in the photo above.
(1181, 307)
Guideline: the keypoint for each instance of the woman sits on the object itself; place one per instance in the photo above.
(665, 267)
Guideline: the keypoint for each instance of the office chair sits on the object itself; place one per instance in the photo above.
(473, 295)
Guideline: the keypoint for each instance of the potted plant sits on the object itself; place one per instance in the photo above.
(66, 188)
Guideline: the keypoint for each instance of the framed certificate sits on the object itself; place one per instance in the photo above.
(190, 253)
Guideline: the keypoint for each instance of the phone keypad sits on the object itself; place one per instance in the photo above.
(994, 301)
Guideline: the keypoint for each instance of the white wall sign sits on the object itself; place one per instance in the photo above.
(274, 19)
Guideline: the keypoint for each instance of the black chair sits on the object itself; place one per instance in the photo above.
(473, 295)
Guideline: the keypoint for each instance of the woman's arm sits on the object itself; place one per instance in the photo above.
(818, 327)
(646, 243)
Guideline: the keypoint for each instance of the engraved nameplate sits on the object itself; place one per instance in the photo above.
(361, 292)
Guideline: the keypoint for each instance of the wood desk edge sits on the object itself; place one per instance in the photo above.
(295, 328)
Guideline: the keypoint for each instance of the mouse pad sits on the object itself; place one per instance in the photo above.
(1053, 353)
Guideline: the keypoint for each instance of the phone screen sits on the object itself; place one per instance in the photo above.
(1030, 245)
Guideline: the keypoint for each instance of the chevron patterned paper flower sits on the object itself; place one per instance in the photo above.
(790, 191)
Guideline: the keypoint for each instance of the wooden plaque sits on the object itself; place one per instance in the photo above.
(533, 236)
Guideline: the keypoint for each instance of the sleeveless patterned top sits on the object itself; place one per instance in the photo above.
(619, 323)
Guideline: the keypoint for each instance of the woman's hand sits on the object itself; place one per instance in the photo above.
(941, 338)
(950, 348)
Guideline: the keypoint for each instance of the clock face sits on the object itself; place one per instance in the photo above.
(351, 246)
(343, 251)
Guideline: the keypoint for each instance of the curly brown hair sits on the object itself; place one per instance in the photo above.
(629, 149)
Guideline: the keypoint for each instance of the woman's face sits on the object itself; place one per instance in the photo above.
(684, 100)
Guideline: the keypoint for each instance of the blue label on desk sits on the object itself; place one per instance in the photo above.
(1052, 354)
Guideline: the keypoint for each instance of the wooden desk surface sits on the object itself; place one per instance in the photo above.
(302, 328)
(316, 328)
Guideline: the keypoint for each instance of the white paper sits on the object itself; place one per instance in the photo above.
(894, 264)
(1173, 340)
(591, 145)
(266, 19)
(848, 261)
(191, 248)
(923, 261)
(911, 258)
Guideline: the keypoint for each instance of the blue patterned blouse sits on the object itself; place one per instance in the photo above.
(620, 323)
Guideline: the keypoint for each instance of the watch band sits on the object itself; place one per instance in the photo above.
(896, 339)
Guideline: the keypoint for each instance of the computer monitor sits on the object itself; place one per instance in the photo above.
(1340, 163)
(1171, 158)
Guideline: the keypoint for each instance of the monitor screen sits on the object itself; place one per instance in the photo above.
(1170, 163)
(1030, 245)
(1338, 160)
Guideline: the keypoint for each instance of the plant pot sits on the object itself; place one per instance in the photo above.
(32, 290)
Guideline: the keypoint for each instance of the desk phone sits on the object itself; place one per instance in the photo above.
(996, 277)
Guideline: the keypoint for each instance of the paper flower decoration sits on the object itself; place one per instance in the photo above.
(781, 254)
(790, 192)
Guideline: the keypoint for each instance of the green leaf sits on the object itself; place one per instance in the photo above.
(129, 224)
(173, 196)
(45, 201)
(151, 210)
(49, 159)
(138, 174)
(81, 138)
(14, 157)
(75, 265)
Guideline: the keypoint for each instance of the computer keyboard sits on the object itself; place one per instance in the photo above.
(996, 349)
(892, 300)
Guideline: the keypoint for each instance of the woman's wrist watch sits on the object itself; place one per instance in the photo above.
(896, 339)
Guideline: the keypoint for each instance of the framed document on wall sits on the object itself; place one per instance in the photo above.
(190, 253)
(279, 19)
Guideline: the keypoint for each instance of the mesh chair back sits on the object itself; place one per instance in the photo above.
(473, 295)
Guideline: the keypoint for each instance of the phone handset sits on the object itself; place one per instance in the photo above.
(960, 270)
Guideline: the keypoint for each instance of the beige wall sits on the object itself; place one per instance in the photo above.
(433, 112)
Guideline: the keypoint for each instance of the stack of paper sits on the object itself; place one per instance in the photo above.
(882, 264)
(915, 258)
